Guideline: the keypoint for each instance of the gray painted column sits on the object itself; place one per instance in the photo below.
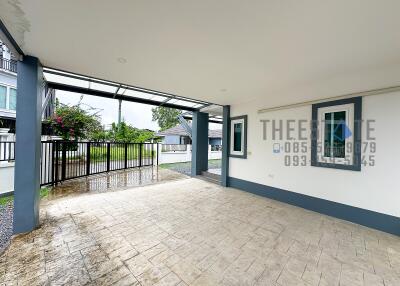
(27, 147)
(199, 143)
(225, 146)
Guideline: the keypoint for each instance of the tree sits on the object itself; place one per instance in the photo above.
(166, 117)
(99, 135)
(125, 133)
(73, 122)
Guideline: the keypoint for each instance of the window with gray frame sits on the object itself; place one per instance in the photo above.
(336, 134)
(238, 137)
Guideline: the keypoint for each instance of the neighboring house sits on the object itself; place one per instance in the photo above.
(8, 92)
(8, 87)
(178, 135)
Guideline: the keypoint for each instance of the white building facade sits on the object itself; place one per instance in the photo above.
(8, 85)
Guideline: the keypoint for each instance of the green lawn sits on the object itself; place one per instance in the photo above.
(99, 154)
(118, 153)
(44, 192)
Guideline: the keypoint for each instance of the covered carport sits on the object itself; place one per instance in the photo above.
(37, 83)
(125, 56)
(331, 220)
(30, 70)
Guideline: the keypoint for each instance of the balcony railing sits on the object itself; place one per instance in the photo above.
(10, 65)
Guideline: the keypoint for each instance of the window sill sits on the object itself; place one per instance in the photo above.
(238, 156)
(336, 166)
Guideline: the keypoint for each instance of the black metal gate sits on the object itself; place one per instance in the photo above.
(65, 160)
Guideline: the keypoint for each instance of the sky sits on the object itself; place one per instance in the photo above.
(135, 114)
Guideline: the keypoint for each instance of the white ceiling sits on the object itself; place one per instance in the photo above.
(226, 51)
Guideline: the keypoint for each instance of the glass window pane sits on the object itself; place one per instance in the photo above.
(339, 134)
(102, 87)
(335, 135)
(13, 99)
(3, 96)
(237, 137)
(328, 134)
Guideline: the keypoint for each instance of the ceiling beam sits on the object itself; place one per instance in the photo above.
(209, 120)
(67, 74)
(82, 90)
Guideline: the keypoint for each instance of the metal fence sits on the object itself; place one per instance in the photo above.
(64, 160)
(173, 147)
(7, 151)
(216, 147)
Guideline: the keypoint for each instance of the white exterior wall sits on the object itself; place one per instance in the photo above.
(6, 177)
(184, 156)
(214, 155)
(6, 168)
(175, 157)
(375, 188)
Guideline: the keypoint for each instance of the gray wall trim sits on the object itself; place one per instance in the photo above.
(199, 143)
(244, 156)
(225, 145)
(356, 166)
(27, 146)
(379, 221)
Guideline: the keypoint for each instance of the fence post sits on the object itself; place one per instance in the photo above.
(9, 151)
(88, 159)
(126, 156)
(140, 154)
(63, 161)
(152, 153)
(56, 163)
(108, 156)
(158, 149)
(53, 164)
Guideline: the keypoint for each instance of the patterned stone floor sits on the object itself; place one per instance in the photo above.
(191, 232)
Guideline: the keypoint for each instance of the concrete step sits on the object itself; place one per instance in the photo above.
(208, 179)
(211, 175)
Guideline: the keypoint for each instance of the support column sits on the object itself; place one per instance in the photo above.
(199, 143)
(225, 146)
(119, 110)
(27, 147)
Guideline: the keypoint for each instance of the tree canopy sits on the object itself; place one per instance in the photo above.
(126, 133)
(166, 117)
(73, 122)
